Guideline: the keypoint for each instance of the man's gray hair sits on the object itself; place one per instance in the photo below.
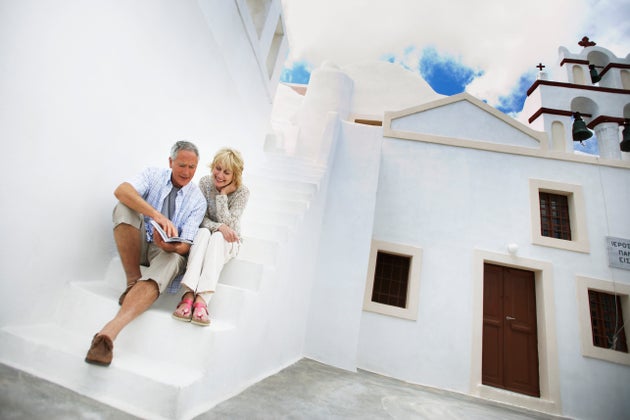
(183, 145)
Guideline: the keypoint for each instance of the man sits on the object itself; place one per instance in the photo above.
(168, 197)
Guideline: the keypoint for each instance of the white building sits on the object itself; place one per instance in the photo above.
(369, 169)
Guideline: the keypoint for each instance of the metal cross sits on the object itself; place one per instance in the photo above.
(585, 42)
(540, 66)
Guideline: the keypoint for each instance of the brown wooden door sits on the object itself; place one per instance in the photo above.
(510, 343)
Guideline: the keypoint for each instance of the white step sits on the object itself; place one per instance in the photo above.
(167, 369)
(262, 229)
(115, 275)
(282, 183)
(280, 159)
(261, 251)
(272, 216)
(87, 306)
(63, 340)
(291, 169)
(281, 176)
(283, 203)
(241, 274)
(132, 383)
(263, 191)
(275, 158)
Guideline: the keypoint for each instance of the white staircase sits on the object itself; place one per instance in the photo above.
(164, 368)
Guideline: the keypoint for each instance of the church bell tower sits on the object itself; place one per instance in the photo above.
(590, 103)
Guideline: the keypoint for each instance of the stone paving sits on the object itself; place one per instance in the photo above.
(305, 390)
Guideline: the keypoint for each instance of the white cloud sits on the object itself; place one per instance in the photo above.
(504, 38)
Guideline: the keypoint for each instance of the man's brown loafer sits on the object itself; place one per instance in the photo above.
(101, 351)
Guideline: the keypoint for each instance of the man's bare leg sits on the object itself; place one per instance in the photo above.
(139, 299)
(129, 245)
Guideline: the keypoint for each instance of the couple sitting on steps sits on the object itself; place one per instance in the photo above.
(206, 216)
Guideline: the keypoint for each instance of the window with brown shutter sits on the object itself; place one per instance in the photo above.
(554, 216)
(392, 285)
(391, 279)
(607, 321)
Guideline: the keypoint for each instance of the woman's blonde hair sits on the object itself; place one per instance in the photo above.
(230, 159)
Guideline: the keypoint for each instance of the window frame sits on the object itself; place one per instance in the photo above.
(397, 263)
(577, 215)
(584, 284)
(601, 320)
(410, 311)
(561, 202)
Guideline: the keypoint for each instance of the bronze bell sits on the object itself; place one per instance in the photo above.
(594, 76)
(625, 143)
(580, 132)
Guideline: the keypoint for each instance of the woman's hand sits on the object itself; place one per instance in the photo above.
(228, 189)
(229, 234)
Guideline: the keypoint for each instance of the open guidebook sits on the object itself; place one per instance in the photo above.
(165, 236)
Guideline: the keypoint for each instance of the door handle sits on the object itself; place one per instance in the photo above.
(510, 318)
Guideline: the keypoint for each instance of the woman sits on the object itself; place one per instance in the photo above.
(218, 239)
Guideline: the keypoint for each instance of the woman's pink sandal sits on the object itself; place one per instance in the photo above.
(186, 313)
(199, 317)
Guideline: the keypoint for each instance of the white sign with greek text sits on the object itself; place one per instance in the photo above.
(618, 252)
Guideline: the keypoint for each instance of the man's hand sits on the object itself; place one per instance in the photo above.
(126, 194)
(229, 234)
(180, 248)
(166, 224)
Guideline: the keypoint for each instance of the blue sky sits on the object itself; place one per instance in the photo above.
(447, 76)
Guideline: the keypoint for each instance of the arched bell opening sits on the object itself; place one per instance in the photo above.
(583, 110)
(597, 61)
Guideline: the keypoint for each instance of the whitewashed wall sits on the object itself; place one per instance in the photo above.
(453, 202)
(450, 201)
(337, 296)
(90, 93)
